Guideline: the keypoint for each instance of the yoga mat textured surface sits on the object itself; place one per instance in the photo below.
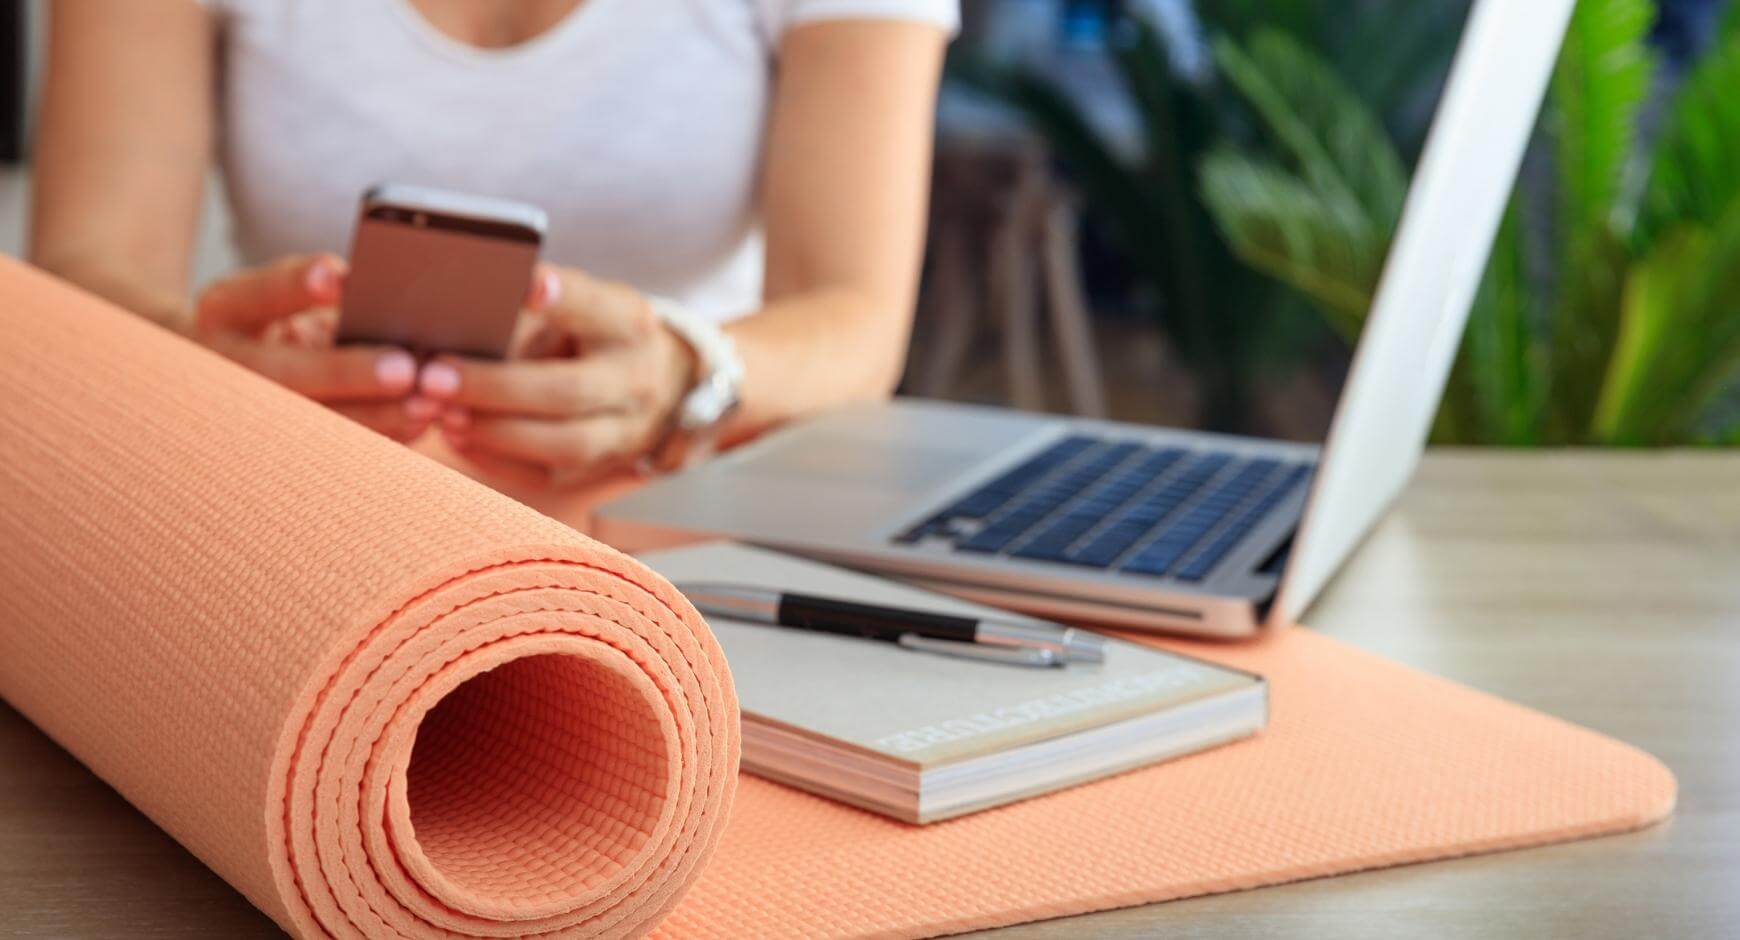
(199, 567)
(375, 696)
(1365, 764)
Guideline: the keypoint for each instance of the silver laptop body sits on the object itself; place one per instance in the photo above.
(1136, 526)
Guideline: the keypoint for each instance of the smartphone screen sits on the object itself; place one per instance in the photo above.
(439, 272)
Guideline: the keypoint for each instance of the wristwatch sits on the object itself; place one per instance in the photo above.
(694, 429)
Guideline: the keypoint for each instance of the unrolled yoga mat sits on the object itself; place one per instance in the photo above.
(146, 599)
(1364, 764)
(378, 698)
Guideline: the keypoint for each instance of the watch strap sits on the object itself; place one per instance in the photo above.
(710, 399)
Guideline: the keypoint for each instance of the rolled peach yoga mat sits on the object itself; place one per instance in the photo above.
(375, 696)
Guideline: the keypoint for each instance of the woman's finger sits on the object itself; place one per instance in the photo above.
(549, 388)
(531, 339)
(399, 420)
(542, 339)
(546, 286)
(309, 329)
(313, 328)
(553, 443)
(249, 301)
(345, 373)
(505, 470)
(594, 310)
(571, 476)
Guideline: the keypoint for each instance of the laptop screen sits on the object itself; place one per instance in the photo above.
(1409, 313)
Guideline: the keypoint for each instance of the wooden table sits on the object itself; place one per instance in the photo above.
(1603, 588)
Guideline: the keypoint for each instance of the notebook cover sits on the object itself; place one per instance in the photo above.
(918, 710)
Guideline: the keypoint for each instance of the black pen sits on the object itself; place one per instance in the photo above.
(1023, 643)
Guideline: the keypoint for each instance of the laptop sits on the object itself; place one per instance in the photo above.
(1133, 526)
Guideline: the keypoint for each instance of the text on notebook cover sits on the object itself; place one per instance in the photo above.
(1041, 709)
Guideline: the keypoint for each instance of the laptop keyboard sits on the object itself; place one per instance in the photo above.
(1118, 505)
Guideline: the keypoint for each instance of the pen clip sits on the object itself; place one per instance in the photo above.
(1008, 655)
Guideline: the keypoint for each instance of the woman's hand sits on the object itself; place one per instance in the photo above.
(280, 321)
(594, 386)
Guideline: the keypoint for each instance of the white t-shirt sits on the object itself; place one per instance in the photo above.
(636, 124)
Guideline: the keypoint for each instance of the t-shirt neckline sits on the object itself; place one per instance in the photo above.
(573, 22)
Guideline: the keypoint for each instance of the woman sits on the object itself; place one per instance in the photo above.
(762, 163)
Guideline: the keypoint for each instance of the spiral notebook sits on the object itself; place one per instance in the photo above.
(923, 737)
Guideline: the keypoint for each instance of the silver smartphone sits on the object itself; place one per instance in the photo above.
(436, 271)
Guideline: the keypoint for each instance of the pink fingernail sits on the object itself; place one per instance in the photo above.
(439, 379)
(418, 408)
(552, 287)
(322, 279)
(396, 370)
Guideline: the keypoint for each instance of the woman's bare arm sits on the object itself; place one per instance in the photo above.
(845, 182)
(121, 150)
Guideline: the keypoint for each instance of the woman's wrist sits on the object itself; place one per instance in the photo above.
(709, 376)
(681, 362)
(681, 366)
(811, 352)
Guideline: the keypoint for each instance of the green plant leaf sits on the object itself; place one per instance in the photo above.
(1600, 81)
(1501, 359)
(1728, 25)
(1338, 144)
(1585, 314)
(1726, 435)
(1679, 337)
(1695, 171)
(1391, 60)
(1599, 85)
(1654, 294)
(1174, 138)
(1321, 244)
(1306, 19)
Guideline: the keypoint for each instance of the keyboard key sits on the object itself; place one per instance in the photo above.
(1210, 555)
(1043, 549)
(1179, 535)
(990, 497)
(1128, 526)
(1054, 539)
(995, 538)
(1159, 557)
(979, 504)
(1052, 543)
(1041, 501)
(1107, 546)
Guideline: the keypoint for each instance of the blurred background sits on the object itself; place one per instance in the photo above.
(1176, 211)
